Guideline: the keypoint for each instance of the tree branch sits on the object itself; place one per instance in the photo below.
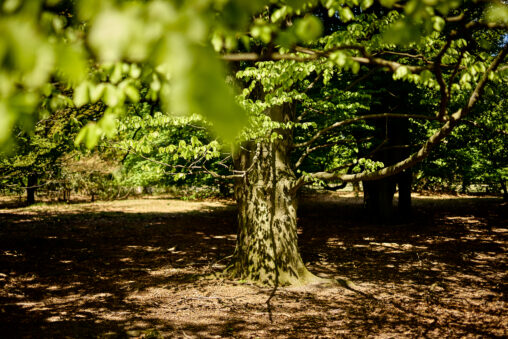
(314, 55)
(223, 177)
(443, 89)
(190, 167)
(481, 126)
(435, 139)
(403, 54)
(456, 69)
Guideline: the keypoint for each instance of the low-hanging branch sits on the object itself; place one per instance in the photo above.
(423, 152)
(363, 117)
(191, 169)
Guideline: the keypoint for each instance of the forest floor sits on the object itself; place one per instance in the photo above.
(134, 268)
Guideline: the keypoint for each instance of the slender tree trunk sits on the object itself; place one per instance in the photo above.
(267, 247)
(30, 189)
(505, 191)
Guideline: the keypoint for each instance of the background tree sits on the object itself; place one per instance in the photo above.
(35, 159)
(474, 154)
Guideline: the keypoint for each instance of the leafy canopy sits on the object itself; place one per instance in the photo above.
(168, 47)
(120, 56)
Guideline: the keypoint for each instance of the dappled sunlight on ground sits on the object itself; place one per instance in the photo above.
(123, 206)
(138, 267)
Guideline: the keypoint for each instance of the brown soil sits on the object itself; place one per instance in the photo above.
(133, 269)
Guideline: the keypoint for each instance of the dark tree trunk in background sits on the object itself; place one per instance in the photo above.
(378, 194)
(505, 191)
(267, 247)
(378, 198)
(30, 189)
(404, 182)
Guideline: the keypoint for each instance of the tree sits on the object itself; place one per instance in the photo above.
(474, 153)
(158, 149)
(35, 158)
(303, 95)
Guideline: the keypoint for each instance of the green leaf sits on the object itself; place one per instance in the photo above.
(366, 4)
(194, 141)
(96, 92)
(135, 71)
(90, 135)
(402, 32)
(111, 33)
(132, 93)
(355, 67)
(497, 13)
(438, 23)
(81, 95)
(7, 119)
(388, 3)
(401, 72)
(346, 14)
(112, 96)
(116, 75)
(262, 31)
(308, 28)
(195, 71)
(217, 42)
(108, 124)
(71, 63)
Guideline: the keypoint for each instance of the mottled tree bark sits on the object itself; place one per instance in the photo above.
(267, 247)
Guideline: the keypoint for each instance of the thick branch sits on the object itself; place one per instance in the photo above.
(220, 176)
(408, 55)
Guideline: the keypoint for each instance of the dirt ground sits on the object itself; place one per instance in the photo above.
(134, 268)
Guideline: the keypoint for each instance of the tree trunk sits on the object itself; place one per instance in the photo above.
(30, 189)
(267, 247)
(404, 181)
(378, 194)
(505, 191)
(378, 199)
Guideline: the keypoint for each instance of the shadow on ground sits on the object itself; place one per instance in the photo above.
(84, 272)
